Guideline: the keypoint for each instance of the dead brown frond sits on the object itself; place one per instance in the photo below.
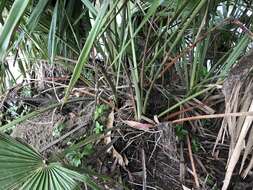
(238, 98)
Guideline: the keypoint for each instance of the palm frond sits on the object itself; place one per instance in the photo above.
(22, 167)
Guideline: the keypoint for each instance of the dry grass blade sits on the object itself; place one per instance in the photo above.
(235, 85)
(202, 106)
(246, 104)
(237, 150)
(247, 151)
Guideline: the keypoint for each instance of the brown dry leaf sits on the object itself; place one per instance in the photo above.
(109, 125)
(138, 125)
(121, 161)
(126, 161)
(185, 188)
(156, 119)
(205, 108)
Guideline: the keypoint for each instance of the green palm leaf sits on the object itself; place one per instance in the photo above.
(22, 167)
(17, 162)
(14, 16)
(84, 56)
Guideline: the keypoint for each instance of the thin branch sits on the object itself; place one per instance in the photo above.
(144, 170)
(235, 114)
(192, 163)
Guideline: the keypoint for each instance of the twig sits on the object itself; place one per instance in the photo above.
(192, 163)
(137, 184)
(144, 177)
(182, 165)
(235, 114)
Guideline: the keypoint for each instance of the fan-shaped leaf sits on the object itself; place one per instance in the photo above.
(22, 167)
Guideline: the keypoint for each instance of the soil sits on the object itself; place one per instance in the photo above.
(38, 132)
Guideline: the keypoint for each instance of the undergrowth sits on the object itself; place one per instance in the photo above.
(144, 78)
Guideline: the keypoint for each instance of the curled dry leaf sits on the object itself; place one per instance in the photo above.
(156, 119)
(109, 125)
(185, 188)
(138, 125)
(123, 161)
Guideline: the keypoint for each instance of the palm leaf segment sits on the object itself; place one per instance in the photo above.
(22, 167)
